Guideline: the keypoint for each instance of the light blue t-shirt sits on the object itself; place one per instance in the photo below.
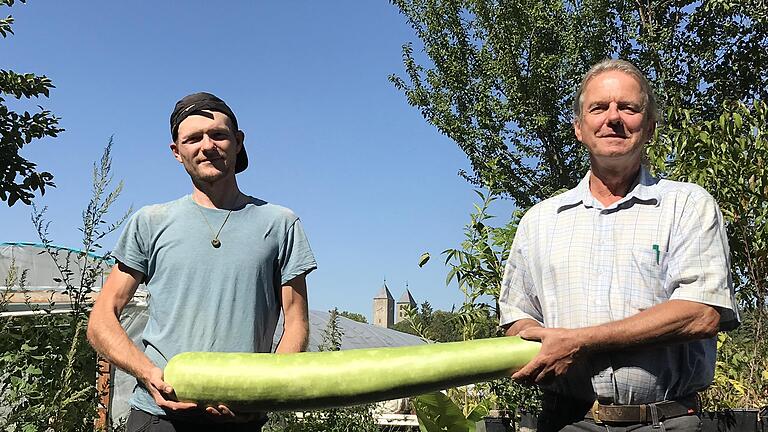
(203, 298)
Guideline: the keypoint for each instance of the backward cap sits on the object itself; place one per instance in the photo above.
(202, 101)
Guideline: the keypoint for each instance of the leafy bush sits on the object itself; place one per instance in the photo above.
(437, 412)
(734, 385)
(350, 419)
(514, 397)
(48, 372)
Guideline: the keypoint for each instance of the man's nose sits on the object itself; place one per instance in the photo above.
(207, 143)
(612, 115)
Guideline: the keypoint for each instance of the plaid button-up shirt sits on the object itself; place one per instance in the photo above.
(575, 263)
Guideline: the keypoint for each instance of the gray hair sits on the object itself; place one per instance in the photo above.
(649, 100)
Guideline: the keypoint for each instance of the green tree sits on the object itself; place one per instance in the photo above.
(405, 326)
(354, 316)
(726, 152)
(20, 177)
(499, 77)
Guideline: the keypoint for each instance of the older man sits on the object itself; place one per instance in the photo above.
(624, 279)
(219, 266)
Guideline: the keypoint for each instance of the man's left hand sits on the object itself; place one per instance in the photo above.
(559, 349)
(223, 413)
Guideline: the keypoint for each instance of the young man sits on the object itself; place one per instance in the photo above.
(219, 266)
(624, 279)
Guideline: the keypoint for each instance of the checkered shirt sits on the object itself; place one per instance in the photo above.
(576, 263)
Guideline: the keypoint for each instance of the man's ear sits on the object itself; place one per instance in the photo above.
(650, 129)
(577, 129)
(240, 140)
(175, 151)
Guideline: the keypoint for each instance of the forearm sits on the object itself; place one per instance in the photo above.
(295, 338)
(108, 338)
(666, 323)
(673, 321)
(295, 316)
(516, 327)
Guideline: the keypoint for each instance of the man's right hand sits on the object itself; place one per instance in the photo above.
(559, 350)
(162, 392)
(110, 340)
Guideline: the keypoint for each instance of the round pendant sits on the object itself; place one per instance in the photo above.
(216, 243)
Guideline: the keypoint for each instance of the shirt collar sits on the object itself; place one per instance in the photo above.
(644, 190)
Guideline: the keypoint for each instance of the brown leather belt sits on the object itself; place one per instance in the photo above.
(645, 413)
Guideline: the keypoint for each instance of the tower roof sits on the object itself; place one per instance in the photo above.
(407, 297)
(384, 293)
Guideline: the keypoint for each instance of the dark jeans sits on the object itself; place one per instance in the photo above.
(560, 414)
(139, 421)
(688, 423)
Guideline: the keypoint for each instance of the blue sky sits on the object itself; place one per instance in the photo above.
(326, 132)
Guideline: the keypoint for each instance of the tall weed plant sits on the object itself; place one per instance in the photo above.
(47, 369)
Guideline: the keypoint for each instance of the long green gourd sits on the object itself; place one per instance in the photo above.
(249, 382)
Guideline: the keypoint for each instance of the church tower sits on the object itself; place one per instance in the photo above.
(383, 308)
(406, 302)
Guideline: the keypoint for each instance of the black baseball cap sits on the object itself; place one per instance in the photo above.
(196, 103)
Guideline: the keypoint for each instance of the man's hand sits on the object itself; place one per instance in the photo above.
(224, 414)
(559, 349)
(165, 397)
(163, 393)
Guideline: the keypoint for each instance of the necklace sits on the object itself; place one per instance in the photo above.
(215, 242)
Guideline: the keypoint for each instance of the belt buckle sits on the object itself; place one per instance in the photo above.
(596, 412)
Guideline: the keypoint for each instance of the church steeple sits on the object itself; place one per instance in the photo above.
(406, 302)
(383, 307)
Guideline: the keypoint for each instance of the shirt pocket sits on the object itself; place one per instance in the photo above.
(646, 273)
